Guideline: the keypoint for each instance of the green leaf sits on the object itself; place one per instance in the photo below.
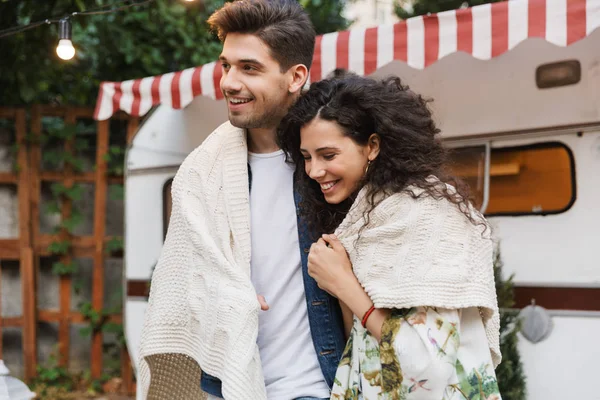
(57, 189)
(74, 193)
(118, 171)
(86, 331)
(67, 132)
(74, 162)
(62, 269)
(82, 145)
(59, 247)
(72, 222)
(114, 244)
(53, 208)
(111, 327)
(54, 158)
(77, 286)
(116, 150)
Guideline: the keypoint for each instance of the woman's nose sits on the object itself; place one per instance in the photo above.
(315, 170)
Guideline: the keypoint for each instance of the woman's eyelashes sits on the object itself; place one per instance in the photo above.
(327, 157)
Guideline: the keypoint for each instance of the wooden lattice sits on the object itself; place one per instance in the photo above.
(32, 244)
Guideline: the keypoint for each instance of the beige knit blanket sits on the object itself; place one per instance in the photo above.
(423, 252)
(203, 307)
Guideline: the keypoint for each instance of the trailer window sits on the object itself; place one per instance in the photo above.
(524, 180)
(167, 205)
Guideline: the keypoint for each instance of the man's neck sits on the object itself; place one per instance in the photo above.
(262, 140)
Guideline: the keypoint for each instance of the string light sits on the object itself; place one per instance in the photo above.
(65, 49)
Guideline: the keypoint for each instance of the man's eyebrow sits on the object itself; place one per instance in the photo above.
(251, 61)
(244, 61)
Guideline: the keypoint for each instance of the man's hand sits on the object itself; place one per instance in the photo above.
(263, 303)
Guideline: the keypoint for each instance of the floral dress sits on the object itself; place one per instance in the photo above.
(425, 353)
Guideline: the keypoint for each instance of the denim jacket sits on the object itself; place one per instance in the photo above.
(324, 313)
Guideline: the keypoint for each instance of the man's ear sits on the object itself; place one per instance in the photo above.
(299, 75)
(373, 146)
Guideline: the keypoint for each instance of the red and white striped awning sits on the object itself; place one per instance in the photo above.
(484, 31)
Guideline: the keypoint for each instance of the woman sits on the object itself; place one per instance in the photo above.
(410, 260)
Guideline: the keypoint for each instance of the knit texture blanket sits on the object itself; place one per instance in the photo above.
(423, 252)
(202, 303)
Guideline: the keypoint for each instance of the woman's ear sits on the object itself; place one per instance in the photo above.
(373, 146)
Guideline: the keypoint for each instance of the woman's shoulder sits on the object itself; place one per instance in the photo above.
(440, 205)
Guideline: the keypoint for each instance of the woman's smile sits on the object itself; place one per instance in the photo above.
(328, 187)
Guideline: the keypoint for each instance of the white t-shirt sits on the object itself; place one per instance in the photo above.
(289, 360)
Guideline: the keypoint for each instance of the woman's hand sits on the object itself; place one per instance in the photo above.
(330, 265)
(332, 269)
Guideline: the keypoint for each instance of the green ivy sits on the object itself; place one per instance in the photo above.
(92, 316)
(73, 193)
(63, 269)
(73, 161)
(62, 131)
(72, 221)
(510, 373)
(77, 286)
(115, 160)
(61, 247)
(113, 245)
(53, 375)
(53, 207)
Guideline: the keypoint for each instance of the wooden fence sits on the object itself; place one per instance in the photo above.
(32, 244)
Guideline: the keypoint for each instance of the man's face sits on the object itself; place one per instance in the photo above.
(256, 91)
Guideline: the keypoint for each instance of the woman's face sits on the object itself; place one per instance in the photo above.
(334, 160)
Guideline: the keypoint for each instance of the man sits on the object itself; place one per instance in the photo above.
(234, 232)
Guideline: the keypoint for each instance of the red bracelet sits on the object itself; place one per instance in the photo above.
(367, 315)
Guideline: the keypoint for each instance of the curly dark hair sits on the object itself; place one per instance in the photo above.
(410, 149)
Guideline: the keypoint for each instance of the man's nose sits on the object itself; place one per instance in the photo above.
(230, 84)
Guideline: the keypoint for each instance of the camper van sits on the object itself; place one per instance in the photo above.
(524, 129)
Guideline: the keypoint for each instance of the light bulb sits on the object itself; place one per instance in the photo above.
(65, 49)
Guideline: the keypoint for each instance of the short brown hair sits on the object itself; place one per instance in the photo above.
(282, 24)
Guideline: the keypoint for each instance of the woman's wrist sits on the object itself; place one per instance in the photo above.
(348, 287)
(355, 297)
(358, 301)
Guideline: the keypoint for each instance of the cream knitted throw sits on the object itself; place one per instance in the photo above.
(202, 303)
(423, 252)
